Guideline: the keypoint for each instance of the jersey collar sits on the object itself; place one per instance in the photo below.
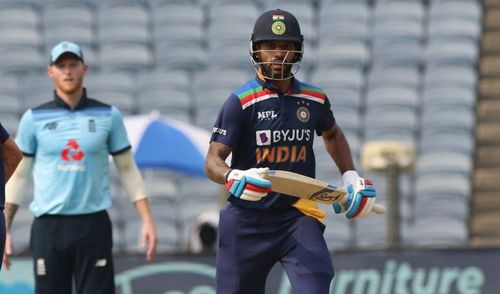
(60, 103)
(294, 85)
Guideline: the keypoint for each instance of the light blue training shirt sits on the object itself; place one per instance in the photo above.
(70, 150)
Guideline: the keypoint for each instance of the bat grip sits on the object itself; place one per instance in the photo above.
(377, 208)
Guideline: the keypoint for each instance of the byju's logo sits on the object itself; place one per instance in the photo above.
(263, 138)
(72, 151)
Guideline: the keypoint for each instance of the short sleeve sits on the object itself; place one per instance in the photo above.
(118, 140)
(326, 120)
(4, 135)
(227, 127)
(26, 134)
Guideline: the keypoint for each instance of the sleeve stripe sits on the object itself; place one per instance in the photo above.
(121, 150)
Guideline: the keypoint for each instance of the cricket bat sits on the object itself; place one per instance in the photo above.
(305, 187)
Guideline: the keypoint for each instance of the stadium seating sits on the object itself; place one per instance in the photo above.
(36, 89)
(72, 21)
(346, 54)
(116, 88)
(9, 84)
(19, 15)
(179, 36)
(22, 60)
(400, 77)
(404, 70)
(344, 21)
(10, 105)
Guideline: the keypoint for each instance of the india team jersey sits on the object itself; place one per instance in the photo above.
(265, 128)
(70, 150)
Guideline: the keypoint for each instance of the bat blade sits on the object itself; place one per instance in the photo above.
(301, 186)
(294, 184)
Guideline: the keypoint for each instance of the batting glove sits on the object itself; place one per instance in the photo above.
(248, 184)
(360, 196)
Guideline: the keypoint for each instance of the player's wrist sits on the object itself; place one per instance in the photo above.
(226, 175)
(349, 177)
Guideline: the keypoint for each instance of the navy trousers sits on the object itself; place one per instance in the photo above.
(77, 246)
(252, 241)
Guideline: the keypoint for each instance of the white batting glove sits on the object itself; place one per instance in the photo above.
(248, 184)
(360, 196)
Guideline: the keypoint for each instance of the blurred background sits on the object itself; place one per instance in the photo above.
(422, 72)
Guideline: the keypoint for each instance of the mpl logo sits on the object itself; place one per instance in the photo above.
(72, 152)
(263, 138)
(266, 115)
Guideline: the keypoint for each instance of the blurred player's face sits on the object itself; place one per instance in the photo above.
(277, 58)
(67, 74)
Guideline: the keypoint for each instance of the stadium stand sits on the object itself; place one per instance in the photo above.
(405, 70)
(35, 89)
(18, 15)
(116, 88)
(484, 229)
(345, 21)
(179, 36)
(72, 21)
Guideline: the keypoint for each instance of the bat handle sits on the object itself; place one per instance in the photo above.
(378, 209)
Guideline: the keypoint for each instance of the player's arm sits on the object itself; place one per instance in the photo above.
(337, 146)
(134, 186)
(249, 184)
(361, 193)
(11, 157)
(14, 189)
(14, 196)
(215, 164)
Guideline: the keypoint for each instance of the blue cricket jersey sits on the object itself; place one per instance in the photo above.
(266, 128)
(70, 149)
(4, 135)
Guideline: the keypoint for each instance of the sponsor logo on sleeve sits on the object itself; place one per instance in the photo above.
(219, 131)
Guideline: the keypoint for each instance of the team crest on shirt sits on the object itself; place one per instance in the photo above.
(303, 114)
(92, 126)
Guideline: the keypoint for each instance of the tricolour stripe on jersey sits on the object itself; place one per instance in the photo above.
(311, 93)
(254, 95)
